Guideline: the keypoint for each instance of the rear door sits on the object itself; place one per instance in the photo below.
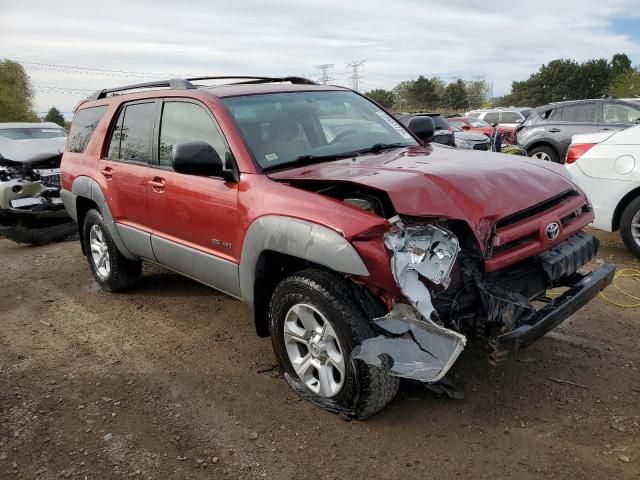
(574, 119)
(194, 217)
(125, 168)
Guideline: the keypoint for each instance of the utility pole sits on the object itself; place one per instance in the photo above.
(355, 75)
(324, 78)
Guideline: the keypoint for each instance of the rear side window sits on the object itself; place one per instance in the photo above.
(83, 125)
(187, 122)
(131, 136)
(585, 112)
(511, 117)
(492, 117)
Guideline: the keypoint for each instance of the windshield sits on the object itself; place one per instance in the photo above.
(31, 133)
(282, 128)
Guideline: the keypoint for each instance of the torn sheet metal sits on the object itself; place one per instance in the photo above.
(411, 348)
(427, 250)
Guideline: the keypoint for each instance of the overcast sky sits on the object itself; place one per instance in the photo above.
(399, 39)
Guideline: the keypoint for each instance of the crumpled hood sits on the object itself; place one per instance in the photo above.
(31, 150)
(433, 181)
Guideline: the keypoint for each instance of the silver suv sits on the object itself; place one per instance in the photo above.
(506, 117)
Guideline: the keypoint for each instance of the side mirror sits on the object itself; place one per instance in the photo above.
(196, 158)
(466, 127)
(422, 127)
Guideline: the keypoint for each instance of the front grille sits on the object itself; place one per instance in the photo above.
(481, 146)
(49, 177)
(534, 210)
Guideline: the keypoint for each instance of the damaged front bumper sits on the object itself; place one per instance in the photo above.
(420, 338)
(36, 227)
(553, 314)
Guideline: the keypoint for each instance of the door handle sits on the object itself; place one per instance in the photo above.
(107, 172)
(554, 130)
(157, 184)
(605, 129)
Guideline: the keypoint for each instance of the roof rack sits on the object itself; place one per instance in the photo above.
(185, 83)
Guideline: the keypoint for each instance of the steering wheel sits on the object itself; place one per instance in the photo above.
(341, 135)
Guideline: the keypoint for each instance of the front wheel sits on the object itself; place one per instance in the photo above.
(109, 267)
(315, 325)
(630, 227)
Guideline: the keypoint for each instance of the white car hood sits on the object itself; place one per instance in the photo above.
(31, 150)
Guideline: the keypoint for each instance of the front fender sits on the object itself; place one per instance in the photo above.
(88, 188)
(297, 238)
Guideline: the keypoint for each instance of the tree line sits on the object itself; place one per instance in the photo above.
(558, 80)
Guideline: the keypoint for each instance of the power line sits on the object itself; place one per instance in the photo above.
(355, 75)
(89, 70)
(325, 78)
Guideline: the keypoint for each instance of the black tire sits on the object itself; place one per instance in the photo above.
(123, 273)
(548, 151)
(366, 389)
(626, 228)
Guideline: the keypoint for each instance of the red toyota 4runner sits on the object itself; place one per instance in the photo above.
(366, 252)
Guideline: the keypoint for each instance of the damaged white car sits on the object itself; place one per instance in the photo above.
(30, 207)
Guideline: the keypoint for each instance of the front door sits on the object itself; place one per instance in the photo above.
(125, 168)
(194, 217)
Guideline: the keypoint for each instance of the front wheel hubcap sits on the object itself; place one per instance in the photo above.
(314, 350)
(99, 252)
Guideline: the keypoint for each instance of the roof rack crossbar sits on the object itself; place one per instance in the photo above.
(173, 84)
(251, 80)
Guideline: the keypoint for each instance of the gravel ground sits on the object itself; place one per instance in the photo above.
(169, 381)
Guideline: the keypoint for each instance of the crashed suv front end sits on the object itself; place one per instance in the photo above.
(449, 298)
(463, 264)
(31, 210)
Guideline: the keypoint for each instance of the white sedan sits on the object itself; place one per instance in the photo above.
(606, 166)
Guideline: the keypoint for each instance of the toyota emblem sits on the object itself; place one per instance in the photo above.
(552, 231)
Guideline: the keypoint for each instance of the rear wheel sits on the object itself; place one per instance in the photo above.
(547, 154)
(630, 227)
(314, 325)
(109, 267)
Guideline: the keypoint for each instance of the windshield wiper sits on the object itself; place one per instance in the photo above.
(378, 147)
(303, 160)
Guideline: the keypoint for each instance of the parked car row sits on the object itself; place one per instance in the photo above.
(547, 132)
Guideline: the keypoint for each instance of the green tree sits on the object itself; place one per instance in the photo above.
(424, 93)
(626, 85)
(54, 115)
(560, 79)
(620, 65)
(16, 94)
(386, 98)
(455, 96)
(478, 92)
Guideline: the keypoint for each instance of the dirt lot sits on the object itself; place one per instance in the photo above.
(170, 381)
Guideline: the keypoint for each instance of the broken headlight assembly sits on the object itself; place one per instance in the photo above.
(413, 345)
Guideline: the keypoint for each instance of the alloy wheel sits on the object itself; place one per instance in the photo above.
(314, 350)
(99, 252)
(542, 156)
(635, 227)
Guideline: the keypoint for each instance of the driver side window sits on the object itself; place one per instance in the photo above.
(188, 122)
